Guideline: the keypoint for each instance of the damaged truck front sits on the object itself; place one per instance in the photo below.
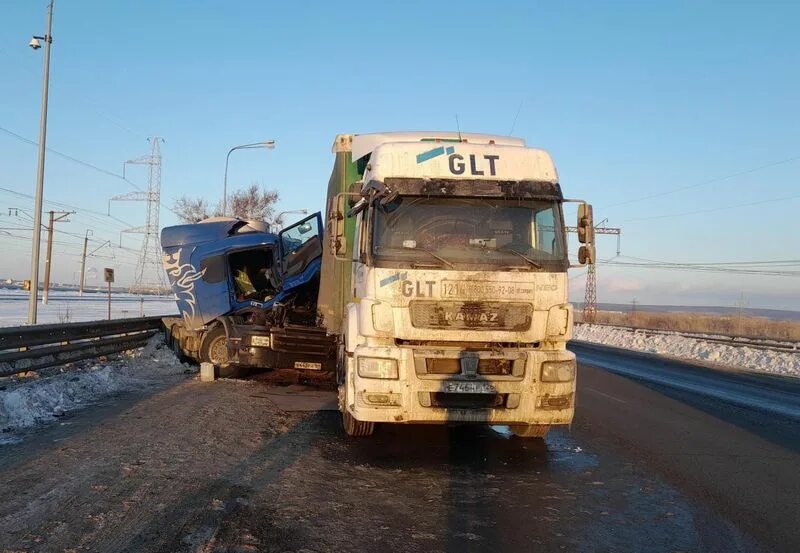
(444, 280)
(247, 297)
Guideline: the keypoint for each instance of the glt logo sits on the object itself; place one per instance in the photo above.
(478, 165)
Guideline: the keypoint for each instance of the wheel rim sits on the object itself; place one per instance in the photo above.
(218, 351)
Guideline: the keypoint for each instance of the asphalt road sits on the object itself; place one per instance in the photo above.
(219, 467)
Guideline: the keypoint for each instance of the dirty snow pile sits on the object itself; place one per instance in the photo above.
(28, 401)
(776, 362)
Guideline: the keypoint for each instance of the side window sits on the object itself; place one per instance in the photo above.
(213, 269)
(294, 238)
(545, 228)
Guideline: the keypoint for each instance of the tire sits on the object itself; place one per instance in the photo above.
(352, 426)
(214, 350)
(530, 430)
(356, 428)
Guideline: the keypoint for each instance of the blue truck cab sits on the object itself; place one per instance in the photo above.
(246, 295)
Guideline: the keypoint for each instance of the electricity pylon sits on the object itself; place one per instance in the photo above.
(149, 274)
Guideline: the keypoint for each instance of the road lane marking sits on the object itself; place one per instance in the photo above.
(604, 394)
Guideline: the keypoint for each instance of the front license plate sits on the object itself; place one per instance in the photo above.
(307, 365)
(259, 341)
(468, 388)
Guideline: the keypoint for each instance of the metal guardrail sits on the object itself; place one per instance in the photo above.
(731, 340)
(31, 348)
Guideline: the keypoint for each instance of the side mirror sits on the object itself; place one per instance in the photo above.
(304, 228)
(586, 254)
(585, 224)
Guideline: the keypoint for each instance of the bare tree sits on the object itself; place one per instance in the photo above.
(250, 203)
(253, 203)
(191, 210)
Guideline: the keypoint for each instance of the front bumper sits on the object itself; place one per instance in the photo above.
(418, 397)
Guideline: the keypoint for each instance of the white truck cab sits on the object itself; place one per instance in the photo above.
(444, 276)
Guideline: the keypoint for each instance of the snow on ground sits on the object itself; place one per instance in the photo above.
(64, 307)
(28, 401)
(741, 357)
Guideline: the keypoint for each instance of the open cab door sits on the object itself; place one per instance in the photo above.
(300, 245)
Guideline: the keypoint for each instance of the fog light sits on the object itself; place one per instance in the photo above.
(377, 367)
(558, 371)
(375, 399)
(555, 402)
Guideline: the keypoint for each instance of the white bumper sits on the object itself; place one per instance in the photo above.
(418, 397)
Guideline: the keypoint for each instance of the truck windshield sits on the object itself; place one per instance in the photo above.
(476, 233)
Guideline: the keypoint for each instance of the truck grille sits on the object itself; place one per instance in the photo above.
(472, 315)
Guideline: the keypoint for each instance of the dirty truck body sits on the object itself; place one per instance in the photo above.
(444, 281)
(436, 293)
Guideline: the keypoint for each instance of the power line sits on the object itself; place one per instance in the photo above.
(698, 268)
(713, 209)
(82, 210)
(72, 159)
(704, 183)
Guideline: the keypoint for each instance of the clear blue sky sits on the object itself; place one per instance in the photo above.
(631, 98)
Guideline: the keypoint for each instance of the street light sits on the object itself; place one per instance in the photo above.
(37, 216)
(268, 144)
(282, 213)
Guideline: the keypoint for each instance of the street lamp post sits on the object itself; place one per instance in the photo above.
(37, 216)
(268, 144)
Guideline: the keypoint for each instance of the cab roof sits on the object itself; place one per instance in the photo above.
(362, 144)
(209, 230)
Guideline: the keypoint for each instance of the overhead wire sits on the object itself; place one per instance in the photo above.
(704, 183)
(711, 210)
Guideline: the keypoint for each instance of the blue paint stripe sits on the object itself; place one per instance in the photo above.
(393, 278)
(390, 279)
(430, 154)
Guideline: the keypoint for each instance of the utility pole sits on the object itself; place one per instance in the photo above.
(83, 261)
(48, 259)
(590, 297)
(633, 307)
(37, 216)
(739, 312)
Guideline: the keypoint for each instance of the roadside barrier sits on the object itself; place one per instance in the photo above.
(31, 348)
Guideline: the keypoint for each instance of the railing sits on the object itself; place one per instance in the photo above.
(31, 348)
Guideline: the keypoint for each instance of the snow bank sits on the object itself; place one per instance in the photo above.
(25, 402)
(776, 362)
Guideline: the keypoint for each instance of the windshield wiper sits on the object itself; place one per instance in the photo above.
(519, 254)
(429, 252)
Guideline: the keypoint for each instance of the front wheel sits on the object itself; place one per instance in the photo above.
(214, 350)
(530, 430)
(356, 428)
(352, 426)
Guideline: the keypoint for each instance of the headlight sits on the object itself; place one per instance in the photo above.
(558, 371)
(377, 367)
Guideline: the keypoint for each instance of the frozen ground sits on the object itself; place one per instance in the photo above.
(64, 307)
(33, 400)
(776, 362)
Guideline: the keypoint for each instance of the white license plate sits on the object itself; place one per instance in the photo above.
(468, 388)
(259, 341)
(308, 365)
